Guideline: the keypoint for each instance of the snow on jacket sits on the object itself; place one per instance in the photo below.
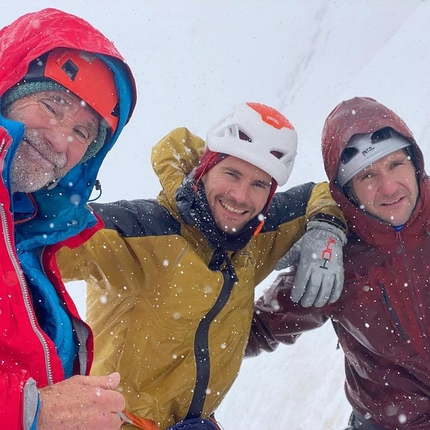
(163, 303)
(41, 351)
(382, 317)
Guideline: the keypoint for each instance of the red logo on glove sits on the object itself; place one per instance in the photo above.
(327, 253)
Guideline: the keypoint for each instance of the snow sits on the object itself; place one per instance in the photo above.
(193, 60)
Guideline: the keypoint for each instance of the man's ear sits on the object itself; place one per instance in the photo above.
(348, 189)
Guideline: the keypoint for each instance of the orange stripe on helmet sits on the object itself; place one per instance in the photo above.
(271, 116)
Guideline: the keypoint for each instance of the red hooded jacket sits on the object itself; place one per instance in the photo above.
(28, 355)
(382, 318)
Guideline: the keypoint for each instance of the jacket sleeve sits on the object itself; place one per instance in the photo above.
(279, 320)
(72, 263)
(105, 262)
(287, 219)
(175, 156)
(19, 400)
(322, 207)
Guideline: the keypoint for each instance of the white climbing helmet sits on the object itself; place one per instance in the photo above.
(364, 149)
(258, 134)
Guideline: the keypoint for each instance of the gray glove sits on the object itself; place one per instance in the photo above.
(319, 260)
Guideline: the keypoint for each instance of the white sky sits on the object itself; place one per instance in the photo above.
(193, 60)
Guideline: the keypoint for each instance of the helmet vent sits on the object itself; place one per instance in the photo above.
(70, 69)
(383, 134)
(115, 111)
(244, 136)
(277, 154)
(348, 154)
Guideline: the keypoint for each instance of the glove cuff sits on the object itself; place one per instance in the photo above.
(329, 227)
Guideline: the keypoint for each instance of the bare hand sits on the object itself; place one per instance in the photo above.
(81, 402)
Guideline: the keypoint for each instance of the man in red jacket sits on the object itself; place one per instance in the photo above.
(66, 95)
(376, 172)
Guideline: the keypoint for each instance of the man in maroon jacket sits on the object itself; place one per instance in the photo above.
(376, 173)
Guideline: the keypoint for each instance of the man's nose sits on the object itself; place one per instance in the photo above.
(240, 191)
(388, 184)
(59, 139)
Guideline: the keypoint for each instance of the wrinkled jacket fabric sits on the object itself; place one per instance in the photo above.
(37, 351)
(163, 303)
(382, 317)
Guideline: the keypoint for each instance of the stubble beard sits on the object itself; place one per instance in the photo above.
(26, 176)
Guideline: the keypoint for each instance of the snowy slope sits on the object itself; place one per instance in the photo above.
(193, 60)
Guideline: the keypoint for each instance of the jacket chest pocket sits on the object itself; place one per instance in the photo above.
(404, 311)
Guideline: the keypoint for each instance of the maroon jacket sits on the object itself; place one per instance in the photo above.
(382, 318)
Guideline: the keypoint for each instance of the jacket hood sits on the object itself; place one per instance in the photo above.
(36, 33)
(355, 116)
(20, 43)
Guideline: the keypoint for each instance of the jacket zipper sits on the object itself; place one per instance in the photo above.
(25, 294)
(201, 342)
(387, 301)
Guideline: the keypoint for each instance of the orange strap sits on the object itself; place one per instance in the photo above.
(139, 422)
(145, 424)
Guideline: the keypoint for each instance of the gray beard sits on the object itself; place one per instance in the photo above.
(24, 181)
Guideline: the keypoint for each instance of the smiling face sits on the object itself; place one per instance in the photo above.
(58, 129)
(237, 191)
(388, 188)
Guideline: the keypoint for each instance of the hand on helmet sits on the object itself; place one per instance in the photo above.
(318, 256)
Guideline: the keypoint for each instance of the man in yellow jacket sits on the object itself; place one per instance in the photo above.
(171, 281)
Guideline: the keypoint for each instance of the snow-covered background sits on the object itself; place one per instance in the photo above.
(193, 60)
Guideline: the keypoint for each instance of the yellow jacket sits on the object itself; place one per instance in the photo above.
(175, 329)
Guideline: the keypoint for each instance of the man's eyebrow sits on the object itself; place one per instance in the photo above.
(60, 99)
(239, 173)
(365, 171)
(92, 127)
(262, 181)
(231, 169)
(91, 123)
(94, 121)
